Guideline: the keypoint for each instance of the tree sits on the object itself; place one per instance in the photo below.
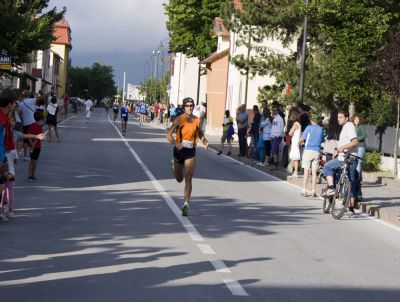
(385, 71)
(342, 36)
(190, 23)
(155, 90)
(24, 28)
(97, 80)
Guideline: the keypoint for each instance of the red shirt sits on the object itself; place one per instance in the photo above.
(66, 99)
(9, 138)
(35, 129)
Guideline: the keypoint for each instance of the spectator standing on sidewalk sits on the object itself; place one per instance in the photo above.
(35, 129)
(313, 136)
(265, 129)
(88, 108)
(242, 119)
(304, 116)
(277, 132)
(361, 136)
(295, 132)
(172, 113)
(254, 130)
(51, 119)
(66, 101)
(227, 134)
(27, 108)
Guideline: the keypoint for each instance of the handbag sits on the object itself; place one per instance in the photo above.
(230, 131)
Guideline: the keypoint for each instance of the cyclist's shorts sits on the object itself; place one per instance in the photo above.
(184, 154)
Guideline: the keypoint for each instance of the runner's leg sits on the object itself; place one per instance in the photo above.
(189, 167)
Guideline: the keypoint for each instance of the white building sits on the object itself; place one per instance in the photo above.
(133, 93)
(236, 89)
(184, 79)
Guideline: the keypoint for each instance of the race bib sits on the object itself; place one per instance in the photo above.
(187, 144)
(123, 114)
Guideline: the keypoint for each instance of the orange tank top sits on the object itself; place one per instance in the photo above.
(188, 131)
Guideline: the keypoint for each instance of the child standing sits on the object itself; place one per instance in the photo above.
(35, 128)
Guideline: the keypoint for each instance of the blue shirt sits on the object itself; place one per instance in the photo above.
(124, 111)
(313, 136)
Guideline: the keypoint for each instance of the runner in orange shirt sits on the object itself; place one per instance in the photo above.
(188, 130)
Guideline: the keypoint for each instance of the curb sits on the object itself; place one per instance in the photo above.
(378, 211)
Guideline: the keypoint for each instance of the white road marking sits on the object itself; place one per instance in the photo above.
(233, 285)
(235, 288)
(220, 266)
(206, 249)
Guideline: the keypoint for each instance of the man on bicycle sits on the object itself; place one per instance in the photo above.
(347, 142)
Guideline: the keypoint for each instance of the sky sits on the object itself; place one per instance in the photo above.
(120, 33)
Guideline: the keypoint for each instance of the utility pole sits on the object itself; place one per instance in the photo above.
(123, 89)
(248, 69)
(303, 57)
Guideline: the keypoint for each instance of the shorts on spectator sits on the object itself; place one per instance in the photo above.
(276, 141)
(310, 160)
(35, 154)
(225, 137)
(25, 131)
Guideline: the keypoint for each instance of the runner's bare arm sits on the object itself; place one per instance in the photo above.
(203, 139)
(170, 133)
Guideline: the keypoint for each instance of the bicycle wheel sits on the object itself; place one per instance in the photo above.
(341, 198)
(326, 206)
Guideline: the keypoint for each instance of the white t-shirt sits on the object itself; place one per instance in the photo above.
(347, 134)
(51, 108)
(28, 107)
(88, 104)
(278, 126)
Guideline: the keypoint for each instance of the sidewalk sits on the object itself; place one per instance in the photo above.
(381, 197)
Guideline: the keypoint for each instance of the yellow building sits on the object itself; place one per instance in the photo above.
(62, 47)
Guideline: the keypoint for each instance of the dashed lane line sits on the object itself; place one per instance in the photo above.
(233, 285)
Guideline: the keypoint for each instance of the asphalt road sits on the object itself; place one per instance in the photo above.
(103, 224)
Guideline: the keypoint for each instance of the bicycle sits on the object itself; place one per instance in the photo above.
(251, 148)
(339, 202)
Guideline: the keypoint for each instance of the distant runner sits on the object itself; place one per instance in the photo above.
(115, 109)
(125, 109)
(187, 128)
(89, 108)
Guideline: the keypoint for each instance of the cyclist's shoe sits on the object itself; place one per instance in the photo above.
(328, 192)
(185, 209)
(350, 214)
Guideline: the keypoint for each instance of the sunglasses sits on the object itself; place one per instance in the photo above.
(191, 106)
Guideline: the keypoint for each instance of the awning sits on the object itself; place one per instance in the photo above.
(215, 56)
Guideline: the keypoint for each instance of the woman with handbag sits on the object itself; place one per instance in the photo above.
(227, 134)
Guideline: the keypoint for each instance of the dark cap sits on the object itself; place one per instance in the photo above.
(187, 100)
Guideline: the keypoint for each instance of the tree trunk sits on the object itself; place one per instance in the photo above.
(396, 140)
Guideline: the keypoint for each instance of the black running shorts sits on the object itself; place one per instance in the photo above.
(183, 154)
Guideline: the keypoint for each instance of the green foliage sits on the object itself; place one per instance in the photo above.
(25, 27)
(190, 23)
(155, 90)
(97, 79)
(342, 37)
(372, 162)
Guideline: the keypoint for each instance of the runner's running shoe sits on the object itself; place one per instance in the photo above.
(185, 209)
